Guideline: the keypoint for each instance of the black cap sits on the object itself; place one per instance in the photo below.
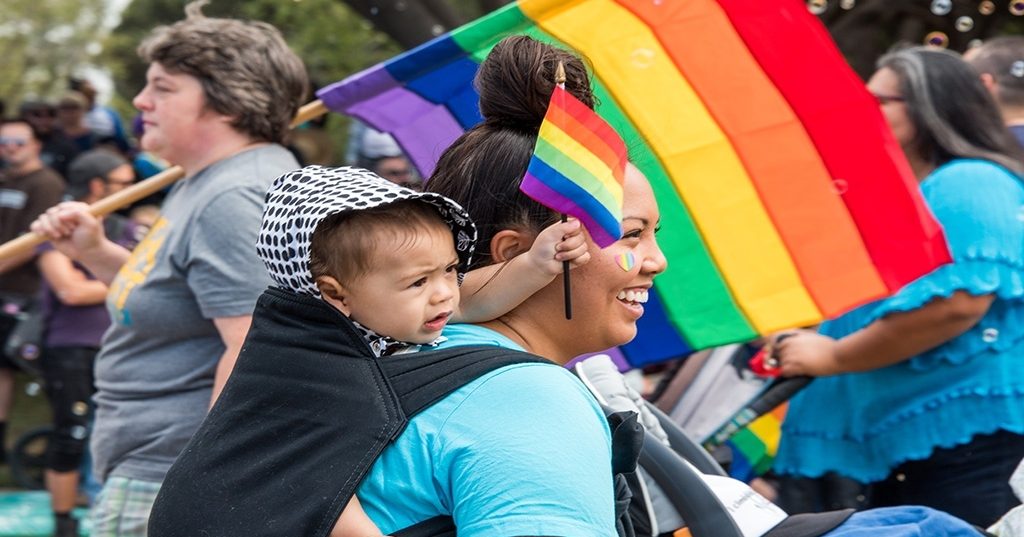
(88, 166)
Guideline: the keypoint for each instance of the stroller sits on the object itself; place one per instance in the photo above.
(680, 490)
(679, 483)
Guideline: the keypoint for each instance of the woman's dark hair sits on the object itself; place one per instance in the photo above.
(483, 168)
(954, 115)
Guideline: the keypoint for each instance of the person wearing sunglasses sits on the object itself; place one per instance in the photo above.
(27, 188)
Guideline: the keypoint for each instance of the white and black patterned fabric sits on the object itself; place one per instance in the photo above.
(299, 200)
(387, 345)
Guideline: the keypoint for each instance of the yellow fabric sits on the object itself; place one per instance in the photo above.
(768, 430)
(703, 165)
(581, 156)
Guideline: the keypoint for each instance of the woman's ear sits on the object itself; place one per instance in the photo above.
(334, 293)
(509, 243)
(988, 81)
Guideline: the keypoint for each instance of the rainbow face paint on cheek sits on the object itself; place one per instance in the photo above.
(626, 261)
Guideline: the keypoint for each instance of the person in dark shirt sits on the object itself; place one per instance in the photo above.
(27, 188)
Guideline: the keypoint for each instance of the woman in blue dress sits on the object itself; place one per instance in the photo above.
(922, 394)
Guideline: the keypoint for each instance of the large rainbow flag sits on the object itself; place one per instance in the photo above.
(784, 198)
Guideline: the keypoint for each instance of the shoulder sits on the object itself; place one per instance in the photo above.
(974, 192)
(251, 170)
(237, 186)
(462, 335)
(545, 399)
(45, 178)
(968, 176)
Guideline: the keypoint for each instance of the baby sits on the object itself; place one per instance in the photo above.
(392, 260)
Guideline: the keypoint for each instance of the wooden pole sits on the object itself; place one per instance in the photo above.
(140, 190)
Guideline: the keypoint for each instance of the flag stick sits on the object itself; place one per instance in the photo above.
(560, 81)
(565, 281)
(140, 190)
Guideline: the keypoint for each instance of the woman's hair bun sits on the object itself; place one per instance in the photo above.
(516, 79)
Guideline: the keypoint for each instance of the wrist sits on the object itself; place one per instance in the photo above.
(104, 259)
(840, 355)
(548, 267)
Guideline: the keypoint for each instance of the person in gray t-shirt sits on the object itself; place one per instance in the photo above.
(218, 99)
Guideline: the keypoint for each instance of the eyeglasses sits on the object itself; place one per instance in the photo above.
(886, 99)
(17, 142)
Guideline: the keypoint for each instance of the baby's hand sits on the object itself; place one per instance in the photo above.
(564, 241)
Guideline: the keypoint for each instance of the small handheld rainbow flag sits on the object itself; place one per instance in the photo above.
(578, 167)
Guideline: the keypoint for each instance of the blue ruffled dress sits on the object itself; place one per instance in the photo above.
(862, 425)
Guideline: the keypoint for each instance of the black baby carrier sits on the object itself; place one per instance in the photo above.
(304, 415)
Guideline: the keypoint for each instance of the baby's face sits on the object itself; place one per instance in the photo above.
(412, 290)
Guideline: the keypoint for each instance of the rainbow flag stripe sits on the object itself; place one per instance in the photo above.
(578, 167)
(754, 447)
(784, 198)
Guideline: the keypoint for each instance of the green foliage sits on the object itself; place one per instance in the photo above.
(332, 40)
(42, 42)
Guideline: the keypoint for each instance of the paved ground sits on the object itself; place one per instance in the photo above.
(27, 514)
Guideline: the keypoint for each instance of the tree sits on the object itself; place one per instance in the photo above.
(863, 29)
(411, 22)
(44, 41)
(332, 40)
(866, 29)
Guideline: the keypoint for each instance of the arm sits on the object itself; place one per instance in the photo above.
(232, 332)
(76, 233)
(353, 522)
(493, 291)
(71, 285)
(13, 262)
(887, 341)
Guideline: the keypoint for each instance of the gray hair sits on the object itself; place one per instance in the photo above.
(246, 69)
(954, 116)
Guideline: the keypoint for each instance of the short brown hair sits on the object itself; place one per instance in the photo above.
(343, 244)
(998, 57)
(245, 67)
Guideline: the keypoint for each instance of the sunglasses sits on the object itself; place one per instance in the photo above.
(41, 113)
(17, 142)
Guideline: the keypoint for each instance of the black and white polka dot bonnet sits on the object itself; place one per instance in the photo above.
(299, 200)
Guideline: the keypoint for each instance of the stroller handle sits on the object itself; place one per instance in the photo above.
(778, 391)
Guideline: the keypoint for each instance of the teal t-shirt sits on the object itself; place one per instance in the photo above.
(865, 424)
(522, 450)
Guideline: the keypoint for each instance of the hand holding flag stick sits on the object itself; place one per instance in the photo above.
(578, 168)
